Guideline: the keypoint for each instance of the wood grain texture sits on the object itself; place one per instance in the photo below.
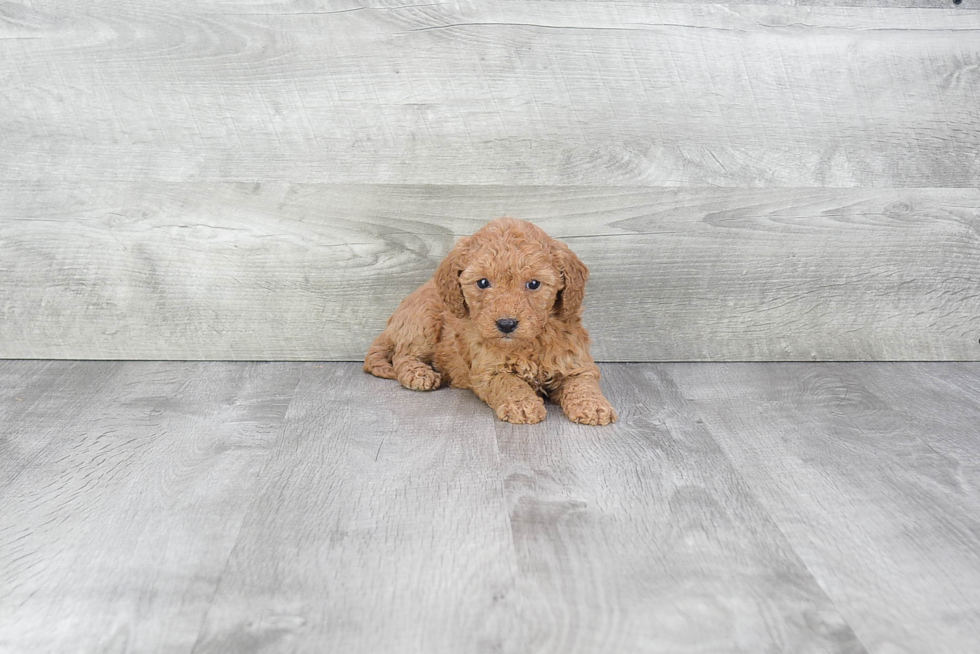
(267, 179)
(288, 7)
(294, 271)
(642, 537)
(552, 93)
(216, 507)
(380, 526)
(113, 538)
(876, 460)
(49, 394)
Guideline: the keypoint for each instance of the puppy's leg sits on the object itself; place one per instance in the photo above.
(378, 359)
(582, 400)
(406, 346)
(414, 373)
(510, 397)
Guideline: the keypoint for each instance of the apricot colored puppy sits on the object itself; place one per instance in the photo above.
(502, 316)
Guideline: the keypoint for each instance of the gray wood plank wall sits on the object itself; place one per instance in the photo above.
(267, 179)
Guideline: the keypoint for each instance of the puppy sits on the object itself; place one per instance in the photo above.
(501, 316)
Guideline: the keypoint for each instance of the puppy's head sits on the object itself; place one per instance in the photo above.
(510, 279)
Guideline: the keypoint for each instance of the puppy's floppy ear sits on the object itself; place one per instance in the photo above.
(574, 274)
(447, 278)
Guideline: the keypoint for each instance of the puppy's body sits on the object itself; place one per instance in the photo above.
(512, 341)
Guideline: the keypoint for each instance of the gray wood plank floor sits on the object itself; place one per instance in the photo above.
(303, 507)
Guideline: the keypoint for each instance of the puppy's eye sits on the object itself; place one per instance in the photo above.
(483, 283)
(533, 285)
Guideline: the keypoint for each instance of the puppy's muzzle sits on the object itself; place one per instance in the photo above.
(507, 325)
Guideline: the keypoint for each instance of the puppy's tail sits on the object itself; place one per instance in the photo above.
(378, 359)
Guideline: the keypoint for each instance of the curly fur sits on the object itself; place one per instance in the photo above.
(446, 331)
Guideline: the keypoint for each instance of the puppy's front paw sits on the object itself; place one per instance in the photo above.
(420, 378)
(522, 411)
(590, 411)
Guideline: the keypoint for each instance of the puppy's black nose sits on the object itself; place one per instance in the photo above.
(507, 325)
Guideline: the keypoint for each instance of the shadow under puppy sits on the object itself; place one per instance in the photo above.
(502, 316)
